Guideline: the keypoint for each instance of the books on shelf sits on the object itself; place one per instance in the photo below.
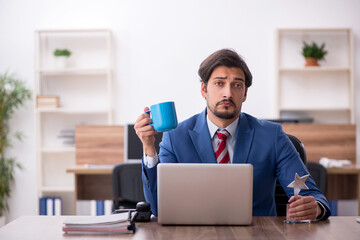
(68, 136)
(47, 101)
(50, 206)
(106, 224)
(93, 207)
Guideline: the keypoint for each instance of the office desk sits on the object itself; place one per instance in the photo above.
(49, 227)
(96, 184)
(92, 183)
(343, 190)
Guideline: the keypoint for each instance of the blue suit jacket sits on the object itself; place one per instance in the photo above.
(259, 142)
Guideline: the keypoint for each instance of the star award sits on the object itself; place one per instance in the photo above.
(297, 185)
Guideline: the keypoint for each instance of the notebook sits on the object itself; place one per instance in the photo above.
(205, 194)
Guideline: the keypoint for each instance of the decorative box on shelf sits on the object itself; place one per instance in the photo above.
(47, 101)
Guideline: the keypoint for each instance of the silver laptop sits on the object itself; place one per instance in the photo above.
(205, 194)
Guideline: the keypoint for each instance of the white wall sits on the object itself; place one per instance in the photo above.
(159, 45)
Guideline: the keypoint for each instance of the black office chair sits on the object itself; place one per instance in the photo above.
(319, 174)
(281, 199)
(127, 185)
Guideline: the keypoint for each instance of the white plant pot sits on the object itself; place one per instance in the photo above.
(62, 62)
(2, 221)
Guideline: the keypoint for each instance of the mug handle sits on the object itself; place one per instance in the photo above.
(149, 111)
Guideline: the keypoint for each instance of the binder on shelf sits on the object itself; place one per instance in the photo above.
(42, 207)
(83, 208)
(50, 206)
(57, 206)
(99, 207)
(93, 207)
(108, 207)
(333, 207)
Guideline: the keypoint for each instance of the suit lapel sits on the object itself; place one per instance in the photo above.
(244, 139)
(201, 139)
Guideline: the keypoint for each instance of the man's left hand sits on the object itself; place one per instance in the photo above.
(304, 208)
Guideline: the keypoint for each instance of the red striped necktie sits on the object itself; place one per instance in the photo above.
(222, 154)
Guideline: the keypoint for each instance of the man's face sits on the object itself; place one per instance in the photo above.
(225, 93)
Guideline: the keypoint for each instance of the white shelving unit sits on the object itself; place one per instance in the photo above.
(85, 91)
(325, 93)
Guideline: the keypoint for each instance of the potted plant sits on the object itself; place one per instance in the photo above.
(313, 53)
(13, 94)
(62, 56)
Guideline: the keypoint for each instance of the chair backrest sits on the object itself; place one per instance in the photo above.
(127, 185)
(319, 174)
(299, 147)
(281, 199)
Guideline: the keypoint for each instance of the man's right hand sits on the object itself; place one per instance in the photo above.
(146, 133)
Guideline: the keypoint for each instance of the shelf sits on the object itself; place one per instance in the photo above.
(72, 111)
(314, 69)
(57, 189)
(58, 150)
(313, 30)
(74, 31)
(75, 71)
(84, 88)
(90, 171)
(309, 91)
(319, 109)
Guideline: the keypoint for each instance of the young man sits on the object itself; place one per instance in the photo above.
(225, 79)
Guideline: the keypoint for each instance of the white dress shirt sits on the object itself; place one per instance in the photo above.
(230, 141)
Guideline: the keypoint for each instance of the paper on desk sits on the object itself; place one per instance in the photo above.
(114, 218)
(327, 162)
(90, 165)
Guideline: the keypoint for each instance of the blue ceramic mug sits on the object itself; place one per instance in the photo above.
(163, 116)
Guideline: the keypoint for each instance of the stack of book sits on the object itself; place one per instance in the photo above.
(47, 101)
(107, 224)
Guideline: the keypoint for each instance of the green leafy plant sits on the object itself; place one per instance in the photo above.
(62, 52)
(314, 51)
(13, 94)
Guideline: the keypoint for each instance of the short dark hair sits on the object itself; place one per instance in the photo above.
(227, 58)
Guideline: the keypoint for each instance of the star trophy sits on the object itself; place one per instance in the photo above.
(297, 185)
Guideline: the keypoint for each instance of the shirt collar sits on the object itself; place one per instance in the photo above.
(213, 128)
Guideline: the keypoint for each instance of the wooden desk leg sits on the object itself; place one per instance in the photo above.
(358, 193)
(76, 176)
